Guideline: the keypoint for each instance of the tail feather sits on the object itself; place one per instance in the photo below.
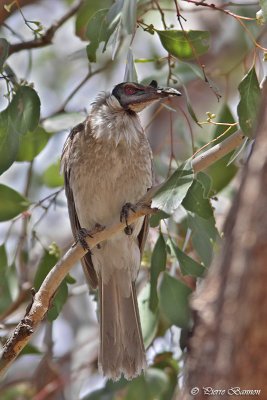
(121, 347)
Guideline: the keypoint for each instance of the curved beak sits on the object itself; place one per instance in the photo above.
(164, 91)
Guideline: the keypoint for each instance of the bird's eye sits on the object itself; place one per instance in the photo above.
(129, 90)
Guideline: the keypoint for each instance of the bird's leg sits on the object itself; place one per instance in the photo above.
(84, 233)
(124, 215)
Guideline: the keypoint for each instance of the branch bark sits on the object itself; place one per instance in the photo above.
(28, 325)
(48, 36)
(4, 14)
(228, 348)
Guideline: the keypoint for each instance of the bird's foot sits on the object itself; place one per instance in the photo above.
(124, 216)
(84, 233)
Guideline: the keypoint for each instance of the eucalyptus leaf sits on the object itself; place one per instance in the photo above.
(98, 30)
(188, 265)
(129, 15)
(130, 71)
(149, 319)
(185, 45)
(51, 176)
(21, 116)
(174, 301)
(156, 218)
(238, 151)
(171, 194)
(158, 264)
(86, 11)
(24, 110)
(204, 236)
(248, 107)
(149, 386)
(31, 144)
(46, 264)
(12, 203)
(220, 172)
(196, 202)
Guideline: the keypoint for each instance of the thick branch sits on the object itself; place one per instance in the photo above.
(47, 37)
(40, 306)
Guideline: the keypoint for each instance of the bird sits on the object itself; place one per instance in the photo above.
(107, 167)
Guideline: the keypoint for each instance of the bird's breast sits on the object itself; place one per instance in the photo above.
(104, 176)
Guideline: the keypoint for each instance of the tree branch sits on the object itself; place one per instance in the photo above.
(28, 325)
(47, 37)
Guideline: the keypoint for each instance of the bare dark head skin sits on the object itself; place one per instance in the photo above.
(135, 96)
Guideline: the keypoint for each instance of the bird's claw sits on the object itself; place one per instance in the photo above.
(84, 233)
(124, 215)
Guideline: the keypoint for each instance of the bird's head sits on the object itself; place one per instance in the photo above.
(135, 97)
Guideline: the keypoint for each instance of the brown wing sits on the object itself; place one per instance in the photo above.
(145, 227)
(86, 261)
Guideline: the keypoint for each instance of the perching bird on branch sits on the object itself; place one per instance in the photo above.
(107, 163)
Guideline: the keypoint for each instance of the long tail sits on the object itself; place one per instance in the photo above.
(121, 347)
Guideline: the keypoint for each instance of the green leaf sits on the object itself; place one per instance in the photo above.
(196, 202)
(52, 177)
(248, 106)
(130, 71)
(9, 142)
(24, 110)
(98, 31)
(11, 203)
(188, 266)
(46, 264)
(129, 15)
(150, 386)
(206, 182)
(158, 264)
(171, 194)
(238, 151)
(86, 11)
(156, 218)
(149, 319)
(58, 302)
(190, 107)
(4, 48)
(204, 236)
(18, 118)
(108, 392)
(6, 299)
(29, 349)
(174, 301)
(31, 144)
(185, 45)
(220, 172)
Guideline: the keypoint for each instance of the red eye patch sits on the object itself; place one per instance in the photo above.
(130, 90)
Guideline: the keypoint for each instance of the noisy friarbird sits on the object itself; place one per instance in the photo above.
(107, 164)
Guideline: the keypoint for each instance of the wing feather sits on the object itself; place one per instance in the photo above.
(74, 221)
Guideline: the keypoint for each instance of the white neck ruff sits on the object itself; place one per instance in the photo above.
(108, 120)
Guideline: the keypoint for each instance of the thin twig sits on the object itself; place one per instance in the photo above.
(47, 37)
(88, 76)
